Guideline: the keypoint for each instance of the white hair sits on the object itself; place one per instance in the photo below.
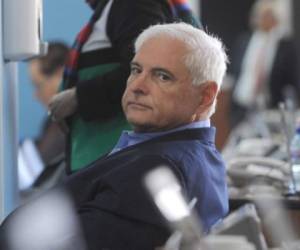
(205, 59)
(259, 7)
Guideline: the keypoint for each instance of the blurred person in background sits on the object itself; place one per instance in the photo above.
(95, 77)
(41, 162)
(46, 75)
(264, 64)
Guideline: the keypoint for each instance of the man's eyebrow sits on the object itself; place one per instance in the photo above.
(133, 63)
(155, 69)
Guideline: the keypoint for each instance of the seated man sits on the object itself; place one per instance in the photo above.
(170, 96)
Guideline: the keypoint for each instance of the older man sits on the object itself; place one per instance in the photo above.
(95, 77)
(170, 96)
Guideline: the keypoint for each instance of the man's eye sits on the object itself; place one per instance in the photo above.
(134, 70)
(163, 76)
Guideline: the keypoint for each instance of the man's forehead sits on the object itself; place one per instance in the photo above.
(163, 39)
(162, 49)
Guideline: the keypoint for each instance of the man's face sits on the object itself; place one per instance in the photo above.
(45, 86)
(267, 20)
(159, 94)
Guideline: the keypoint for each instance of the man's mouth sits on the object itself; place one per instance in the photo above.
(137, 105)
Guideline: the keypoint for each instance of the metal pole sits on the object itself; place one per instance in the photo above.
(8, 131)
(10, 136)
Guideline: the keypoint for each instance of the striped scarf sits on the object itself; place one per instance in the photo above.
(70, 71)
(182, 11)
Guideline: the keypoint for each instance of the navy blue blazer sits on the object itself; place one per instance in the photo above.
(113, 206)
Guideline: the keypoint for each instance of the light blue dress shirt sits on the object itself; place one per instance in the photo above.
(129, 138)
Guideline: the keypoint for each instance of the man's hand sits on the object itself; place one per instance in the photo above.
(63, 104)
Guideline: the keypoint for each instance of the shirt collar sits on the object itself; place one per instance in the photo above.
(129, 138)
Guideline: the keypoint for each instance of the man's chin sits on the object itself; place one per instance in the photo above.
(141, 127)
(134, 118)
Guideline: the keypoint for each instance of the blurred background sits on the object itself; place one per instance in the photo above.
(61, 21)
(225, 19)
(22, 115)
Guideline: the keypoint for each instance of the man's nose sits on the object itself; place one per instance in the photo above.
(140, 84)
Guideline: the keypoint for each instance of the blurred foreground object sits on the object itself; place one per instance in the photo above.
(239, 229)
(277, 222)
(47, 223)
(166, 193)
(244, 222)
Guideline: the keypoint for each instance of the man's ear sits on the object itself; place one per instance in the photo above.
(209, 91)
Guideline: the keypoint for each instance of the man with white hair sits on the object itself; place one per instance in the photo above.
(171, 94)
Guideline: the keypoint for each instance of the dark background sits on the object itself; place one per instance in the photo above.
(227, 19)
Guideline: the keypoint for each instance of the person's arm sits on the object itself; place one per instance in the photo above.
(100, 97)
